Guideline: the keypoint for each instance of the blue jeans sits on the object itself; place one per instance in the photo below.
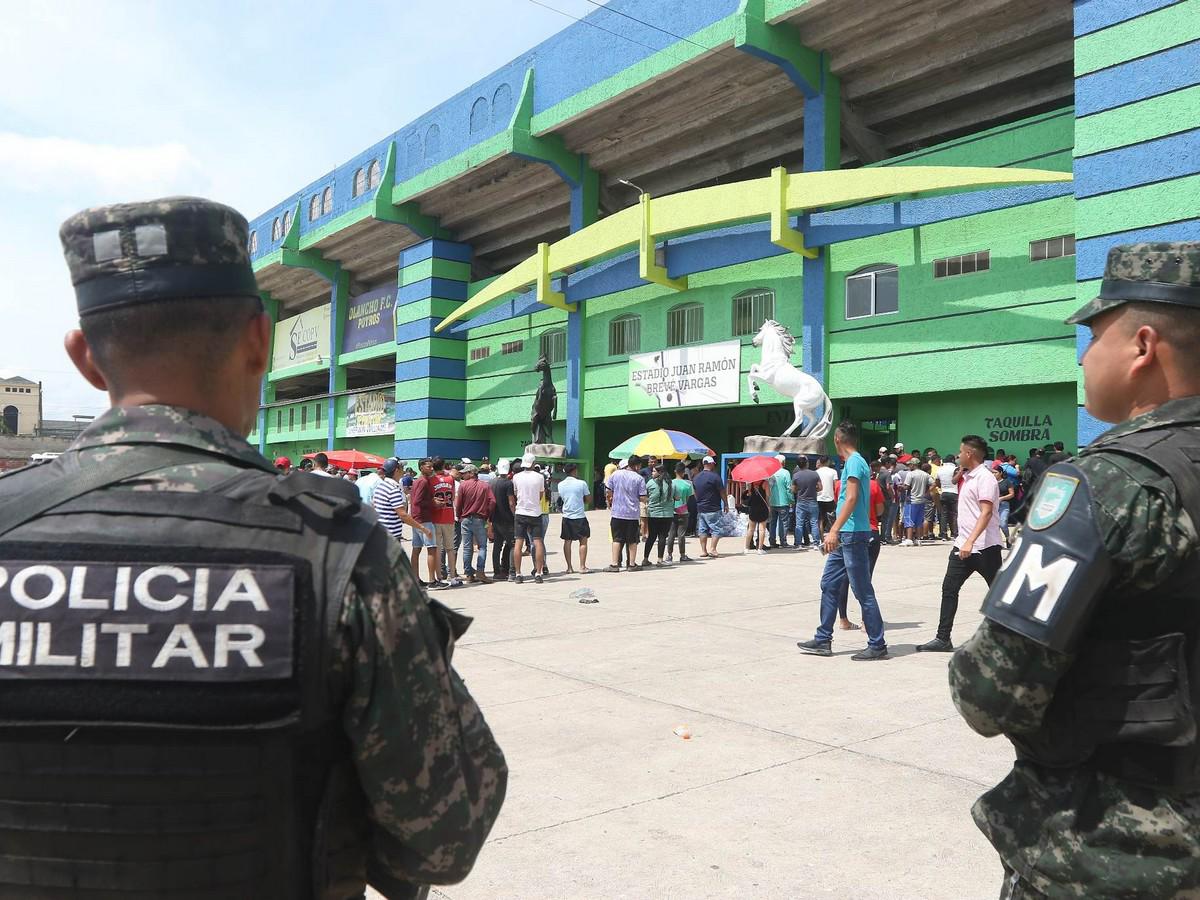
(851, 561)
(474, 531)
(843, 592)
(778, 525)
(808, 517)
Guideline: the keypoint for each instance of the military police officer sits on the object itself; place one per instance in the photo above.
(214, 681)
(1088, 658)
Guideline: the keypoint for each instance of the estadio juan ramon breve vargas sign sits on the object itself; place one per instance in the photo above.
(301, 339)
(702, 375)
(373, 412)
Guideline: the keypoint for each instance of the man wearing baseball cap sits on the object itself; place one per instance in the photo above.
(1087, 656)
(283, 464)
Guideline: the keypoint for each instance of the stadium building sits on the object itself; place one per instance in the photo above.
(633, 197)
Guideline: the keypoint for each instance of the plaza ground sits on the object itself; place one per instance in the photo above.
(804, 776)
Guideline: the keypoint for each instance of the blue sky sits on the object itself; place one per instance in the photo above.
(240, 102)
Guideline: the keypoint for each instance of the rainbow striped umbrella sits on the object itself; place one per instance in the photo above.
(663, 443)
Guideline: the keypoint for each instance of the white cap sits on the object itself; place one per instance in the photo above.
(623, 464)
(883, 449)
(466, 460)
(502, 467)
(528, 460)
(781, 457)
(708, 461)
(899, 446)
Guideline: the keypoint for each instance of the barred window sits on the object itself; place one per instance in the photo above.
(291, 417)
(980, 261)
(512, 347)
(279, 420)
(253, 242)
(304, 417)
(685, 324)
(360, 183)
(287, 223)
(553, 346)
(751, 309)
(873, 291)
(480, 353)
(1052, 248)
(314, 207)
(373, 174)
(276, 233)
(327, 201)
(624, 335)
(317, 416)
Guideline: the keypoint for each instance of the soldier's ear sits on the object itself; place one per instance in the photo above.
(81, 355)
(257, 343)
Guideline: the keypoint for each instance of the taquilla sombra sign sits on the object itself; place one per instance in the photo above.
(145, 621)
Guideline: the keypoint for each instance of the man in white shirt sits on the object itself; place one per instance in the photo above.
(528, 487)
(977, 548)
(366, 485)
(947, 473)
(321, 466)
(826, 499)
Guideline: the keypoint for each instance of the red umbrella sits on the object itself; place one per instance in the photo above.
(756, 468)
(351, 459)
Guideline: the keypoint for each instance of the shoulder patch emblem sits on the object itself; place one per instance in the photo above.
(1052, 500)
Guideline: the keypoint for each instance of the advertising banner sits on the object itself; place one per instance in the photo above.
(370, 320)
(301, 339)
(371, 413)
(686, 376)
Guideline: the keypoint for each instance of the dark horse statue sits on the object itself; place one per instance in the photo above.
(545, 405)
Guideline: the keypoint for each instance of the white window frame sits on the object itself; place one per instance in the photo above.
(1046, 244)
(557, 338)
(975, 257)
(688, 310)
(870, 272)
(752, 321)
(624, 324)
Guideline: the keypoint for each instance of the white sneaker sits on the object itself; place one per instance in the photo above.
(762, 551)
(906, 543)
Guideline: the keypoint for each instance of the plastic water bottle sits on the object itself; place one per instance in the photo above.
(584, 595)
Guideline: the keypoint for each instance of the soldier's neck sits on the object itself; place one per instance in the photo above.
(214, 403)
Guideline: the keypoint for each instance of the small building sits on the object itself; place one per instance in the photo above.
(20, 406)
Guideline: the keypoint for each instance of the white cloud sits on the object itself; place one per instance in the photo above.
(36, 164)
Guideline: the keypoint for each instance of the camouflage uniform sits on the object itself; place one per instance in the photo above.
(433, 774)
(1077, 832)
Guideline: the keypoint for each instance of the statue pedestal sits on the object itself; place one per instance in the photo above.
(761, 443)
(551, 451)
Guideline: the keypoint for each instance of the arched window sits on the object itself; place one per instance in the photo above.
(502, 104)
(374, 173)
(327, 201)
(624, 335)
(873, 291)
(287, 223)
(685, 324)
(751, 309)
(11, 419)
(253, 242)
(276, 231)
(314, 207)
(553, 346)
(433, 143)
(360, 183)
(479, 115)
(413, 154)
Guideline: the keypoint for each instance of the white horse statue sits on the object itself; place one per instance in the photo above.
(806, 393)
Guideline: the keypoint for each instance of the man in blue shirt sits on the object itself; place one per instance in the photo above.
(848, 544)
(574, 493)
(780, 485)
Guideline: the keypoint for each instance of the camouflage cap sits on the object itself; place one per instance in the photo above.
(1162, 272)
(171, 248)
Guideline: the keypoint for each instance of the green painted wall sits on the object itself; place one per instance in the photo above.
(998, 328)
(1014, 420)
(306, 422)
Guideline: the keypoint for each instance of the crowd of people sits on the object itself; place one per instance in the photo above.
(455, 510)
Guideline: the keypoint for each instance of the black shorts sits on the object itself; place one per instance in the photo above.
(826, 507)
(528, 529)
(575, 529)
(626, 531)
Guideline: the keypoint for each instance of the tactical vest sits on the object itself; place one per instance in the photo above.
(168, 718)
(1130, 703)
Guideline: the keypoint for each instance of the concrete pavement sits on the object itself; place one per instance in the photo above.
(804, 776)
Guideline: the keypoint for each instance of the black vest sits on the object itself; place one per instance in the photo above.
(1130, 703)
(203, 758)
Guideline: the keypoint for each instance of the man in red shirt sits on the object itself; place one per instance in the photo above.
(474, 506)
(420, 503)
(876, 508)
(443, 484)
